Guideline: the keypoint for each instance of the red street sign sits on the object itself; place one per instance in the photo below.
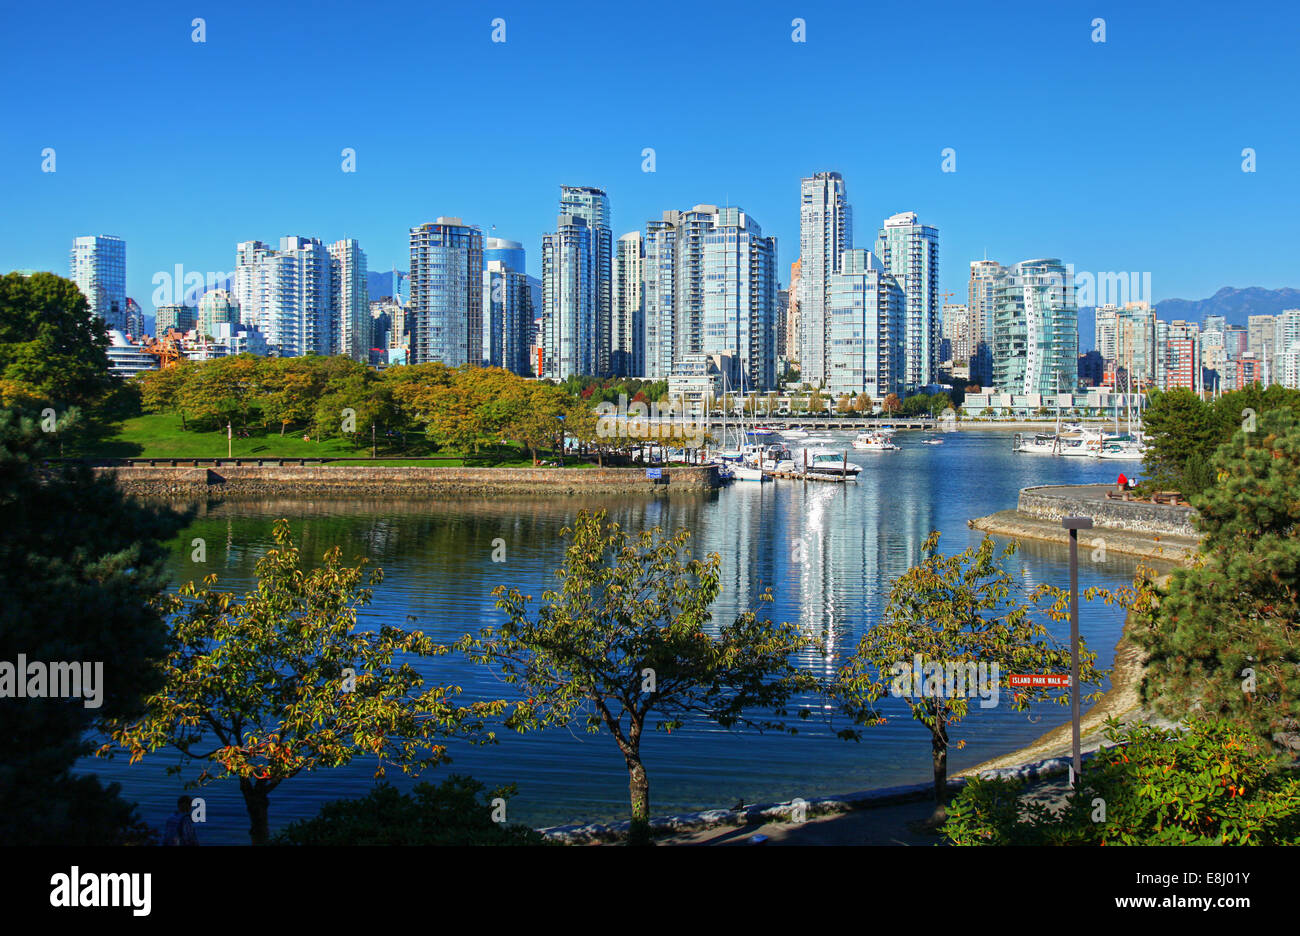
(1040, 679)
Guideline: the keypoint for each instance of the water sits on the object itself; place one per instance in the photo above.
(856, 538)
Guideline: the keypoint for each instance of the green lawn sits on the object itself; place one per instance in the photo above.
(161, 436)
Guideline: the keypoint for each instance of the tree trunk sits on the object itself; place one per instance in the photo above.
(939, 754)
(639, 788)
(257, 801)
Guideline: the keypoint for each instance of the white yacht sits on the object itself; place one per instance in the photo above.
(1041, 443)
(831, 462)
(874, 442)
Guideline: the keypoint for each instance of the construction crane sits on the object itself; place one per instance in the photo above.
(166, 349)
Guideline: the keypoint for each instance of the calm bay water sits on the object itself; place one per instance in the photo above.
(856, 538)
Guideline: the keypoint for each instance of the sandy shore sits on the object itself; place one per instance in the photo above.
(901, 820)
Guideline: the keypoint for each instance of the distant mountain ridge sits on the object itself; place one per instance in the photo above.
(1235, 305)
(381, 284)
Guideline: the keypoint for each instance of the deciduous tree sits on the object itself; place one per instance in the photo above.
(627, 639)
(283, 683)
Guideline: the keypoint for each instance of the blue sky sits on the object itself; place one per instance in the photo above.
(1123, 155)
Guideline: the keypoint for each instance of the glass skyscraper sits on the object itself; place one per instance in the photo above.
(627, 352)
(569, 323)
(508, 252)
(446, 305)
(710, 288)
(98, 267)
(350, 300)
(825, 232)
(592, 205)
(507, 318)
(739, 314)
(1035, 330)
(287, 294)
(909, 250)
(867, 310)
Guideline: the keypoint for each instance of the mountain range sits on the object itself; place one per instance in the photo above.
(1235, 305)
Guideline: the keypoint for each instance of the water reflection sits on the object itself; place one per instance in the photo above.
(828, 552)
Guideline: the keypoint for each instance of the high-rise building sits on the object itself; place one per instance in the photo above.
(660, 279)
(389, 329)
(1035, 330)
(867, 311)
(739, 312)
(825, 232)
(569, 325)
(510, 253)
(1179, 346)
(98, 267)
(134, 319)
(710, 289)
(216, 307)
(445, 314)
(173, 317)
(1104, 331)
(287, 294)
(782, 315)
(957, 331)
(592, 205)
(507, 318)
(1286, 348)
(350, 300)
(794, 318)
(1135, 344)
(1260, 330)
(627, 333)
(982, 303)
(1249, 369)
(910, 252)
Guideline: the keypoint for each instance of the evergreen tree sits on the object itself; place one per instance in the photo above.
(1224, 636)
(80, 572)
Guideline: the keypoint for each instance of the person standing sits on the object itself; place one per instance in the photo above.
(179, 829)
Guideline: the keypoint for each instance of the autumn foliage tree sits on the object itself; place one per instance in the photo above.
(627, 642)
(283, 683)
(957, 613)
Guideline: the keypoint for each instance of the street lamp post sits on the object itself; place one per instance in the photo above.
(1074, 525)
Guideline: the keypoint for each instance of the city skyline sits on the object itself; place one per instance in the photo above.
(1072, 189)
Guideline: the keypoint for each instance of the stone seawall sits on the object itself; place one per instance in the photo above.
(231, 481)
(1052, 502)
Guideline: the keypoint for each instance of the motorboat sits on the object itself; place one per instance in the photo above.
(874, 442)
(1041, 443)
(763, 455)
(830, 462)
(932, 441)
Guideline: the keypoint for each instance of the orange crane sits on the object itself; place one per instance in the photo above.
(167, 349)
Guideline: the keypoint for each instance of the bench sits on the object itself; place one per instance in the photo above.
(1173, 498)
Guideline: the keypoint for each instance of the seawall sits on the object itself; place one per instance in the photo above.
(1153, 531)
(256, 481)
